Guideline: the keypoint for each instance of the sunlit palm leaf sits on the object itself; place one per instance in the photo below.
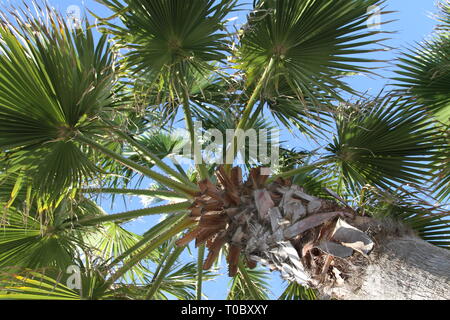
(179, 283)
(384, 143)
(33, 285)
(442, 181)
(249, 285)
(54, 82)
(425, 71)
(217, 123)
(312, 41)
(25, 243)
(160, 143)
(170, 37)
(34, 239)
(294, 291)
(111, 241)
(26, 284)
(430, 222)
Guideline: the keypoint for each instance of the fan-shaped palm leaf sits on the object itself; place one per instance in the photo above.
(384, 143)
(111, 241)
(425, 71)
(24, 242)
(170, 37)
(442, 181)
(54, 82)
(249, 284)
(430, 222)
(294, 291)
(32, 285)
(312, 43)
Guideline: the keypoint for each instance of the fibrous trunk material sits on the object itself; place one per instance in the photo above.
(401, 267)
(278, 225)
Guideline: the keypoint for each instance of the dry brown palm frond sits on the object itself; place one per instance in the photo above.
(278, 225)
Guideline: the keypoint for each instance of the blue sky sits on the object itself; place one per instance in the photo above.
(413, 25)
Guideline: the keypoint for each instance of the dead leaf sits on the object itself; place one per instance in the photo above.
(335, 249)
(274, 217)
(314, 206)
(233, 260)
(188, 237)
(263, 203)
(214, 250)
(339, 280)
(309, 223)
(352, 237)
(238, 236)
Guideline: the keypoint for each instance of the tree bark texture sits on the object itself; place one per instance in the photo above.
(405, 268)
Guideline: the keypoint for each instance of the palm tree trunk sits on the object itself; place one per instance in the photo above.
(398, 265)
(318, 243)
(404, 268)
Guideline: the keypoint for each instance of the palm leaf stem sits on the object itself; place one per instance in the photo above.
(249, 108)
(294, 172)
(171, 260)
(248, 281)
(201, 168)
(152, 234)
(200, 259)
(158, 162)
(125, 216)
(155, 243)
(177, 186)
(133, 192)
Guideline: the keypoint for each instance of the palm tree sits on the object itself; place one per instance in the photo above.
(83, 116)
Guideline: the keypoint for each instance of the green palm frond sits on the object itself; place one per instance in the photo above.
(109, 242)
(205, 88)
(294, 291)
(444, 18)
(41, 239)
(215, 120)
(16, 192)
(80, 115)
(171, 37)
(424, 72)
(57, 166)
(172, 277)
(442, 180)
(430, 221)
(160, 143)
(54, 82)
(179, 283)
(168, 276)
(32, 285)
(77, 283)
(310, 118)
(291, 158)
(312, 42)
(219, 91)
(316, 182)
(24, 242)
(249, 284)
(385, 142)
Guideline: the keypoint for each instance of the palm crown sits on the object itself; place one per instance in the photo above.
(82, 116)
